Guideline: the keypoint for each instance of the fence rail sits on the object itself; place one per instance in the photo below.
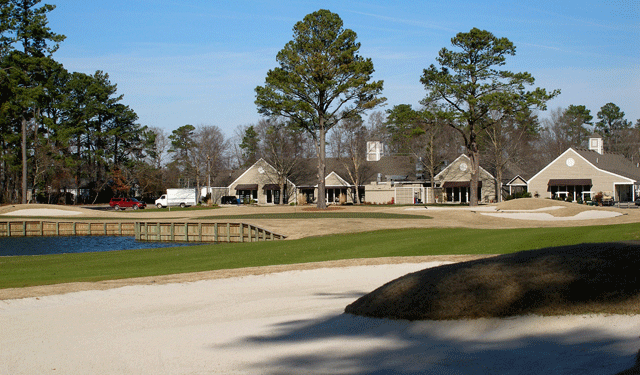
(143, 231)
(203, 232)
(65, 228)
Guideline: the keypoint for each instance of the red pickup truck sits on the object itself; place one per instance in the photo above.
(124, 203)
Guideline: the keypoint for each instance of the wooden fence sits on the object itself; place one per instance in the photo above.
(143, 231)
(203, 232)
(65, 228)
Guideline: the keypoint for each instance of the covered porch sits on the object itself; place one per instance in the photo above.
(570, 188)
(458, 191)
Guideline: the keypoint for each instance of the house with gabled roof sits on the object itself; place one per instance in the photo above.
(580, 174)
(340, 177)
(455, 182)
(262, 184)
(517, 184)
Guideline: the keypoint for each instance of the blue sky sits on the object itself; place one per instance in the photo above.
(198, 62)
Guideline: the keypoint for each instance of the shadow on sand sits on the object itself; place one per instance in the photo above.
(346, 344)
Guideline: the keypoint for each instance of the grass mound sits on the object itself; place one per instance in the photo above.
(577, 279)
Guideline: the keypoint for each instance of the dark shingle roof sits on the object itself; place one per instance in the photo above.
(614, 163)
(387, 166)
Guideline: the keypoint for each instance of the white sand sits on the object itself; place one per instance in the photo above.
(452, 208)
(42, 212)
(291, 323)
(542, 216)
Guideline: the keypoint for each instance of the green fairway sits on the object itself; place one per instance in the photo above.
(51, 269)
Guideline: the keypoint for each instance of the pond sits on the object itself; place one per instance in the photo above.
(10, 246)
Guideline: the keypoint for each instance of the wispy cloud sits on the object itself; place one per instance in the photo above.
(575, 20)
(409, 22)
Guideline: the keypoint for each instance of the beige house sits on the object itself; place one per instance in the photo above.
(518, 184)
(335, 186)
(454, 182)
(261, 184)
(578, 173)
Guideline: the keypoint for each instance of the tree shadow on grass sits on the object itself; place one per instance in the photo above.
(346, 344)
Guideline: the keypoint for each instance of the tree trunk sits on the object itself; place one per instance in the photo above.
(499, 184)
(432, 172)
(283, 189)
(322, 204)
(24, 160)
(475, 169)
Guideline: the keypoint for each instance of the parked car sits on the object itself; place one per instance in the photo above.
(124, 203)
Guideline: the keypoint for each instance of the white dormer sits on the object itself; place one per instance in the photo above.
(596, 144)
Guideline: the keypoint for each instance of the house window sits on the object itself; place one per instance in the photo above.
(273, 196)
(248, 195)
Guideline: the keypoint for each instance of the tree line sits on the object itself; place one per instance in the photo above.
(64, 132)
(322, 81)
(59, 130)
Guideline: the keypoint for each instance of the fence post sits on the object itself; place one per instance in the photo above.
(24, 228)
(199, 232)
(173, 235)
(186, 232)
(228, 232)
(241, 232)
(215, 232)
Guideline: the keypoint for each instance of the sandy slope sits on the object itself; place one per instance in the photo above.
(291, 323)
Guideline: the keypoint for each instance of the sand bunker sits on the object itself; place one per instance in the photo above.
(541, 216)
(42, 212)
(291, 323)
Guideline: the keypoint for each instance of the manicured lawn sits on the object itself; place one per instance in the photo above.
(52, 269)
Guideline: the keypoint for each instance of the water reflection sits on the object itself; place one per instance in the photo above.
(75, 244)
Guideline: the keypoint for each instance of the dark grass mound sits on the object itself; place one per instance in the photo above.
(579, 279)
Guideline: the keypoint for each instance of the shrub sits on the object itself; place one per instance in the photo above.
(598, 197)
(521, 194)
